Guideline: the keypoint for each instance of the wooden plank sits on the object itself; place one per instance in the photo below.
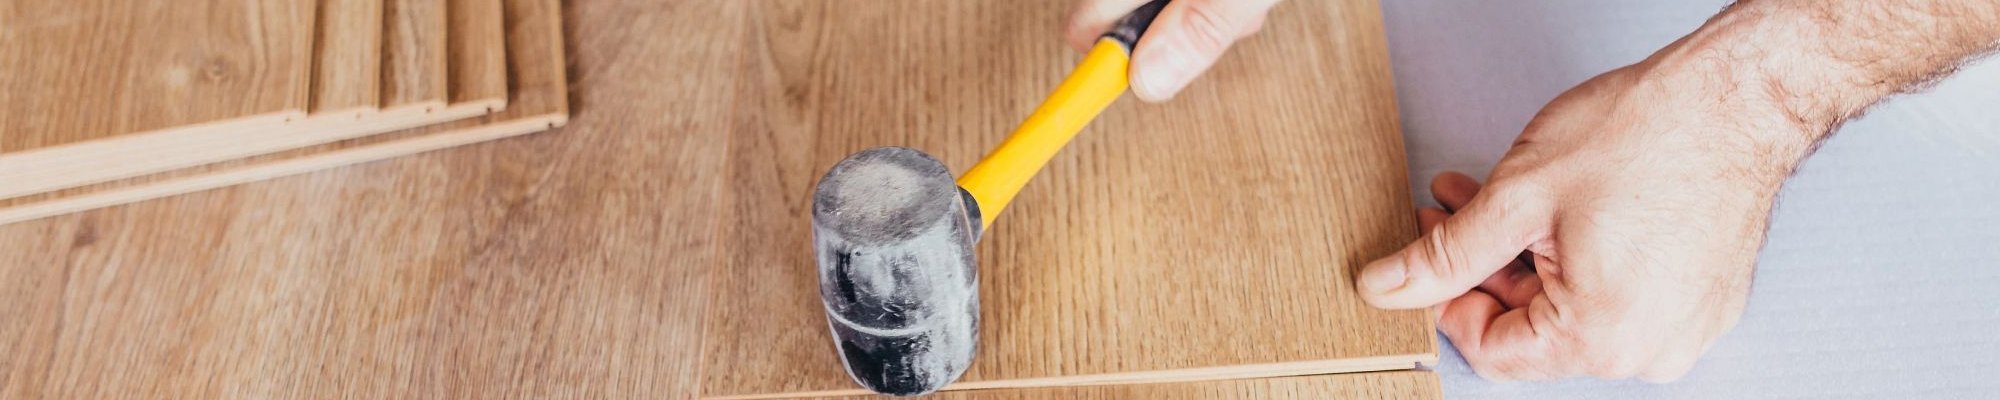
(1213, 236)
(419, 278)
(478, 61)
(319, 142)
(564, 265)
(32, 271)
(91, 70)
(545, 267)
(347, 67)
(414, 72)
(1394, 385)
(45, 175)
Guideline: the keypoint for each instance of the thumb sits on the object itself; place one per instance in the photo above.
(1187, 37)
(1461, 252)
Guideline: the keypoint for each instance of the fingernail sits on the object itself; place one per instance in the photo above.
(1161, 72)
(1383, 275)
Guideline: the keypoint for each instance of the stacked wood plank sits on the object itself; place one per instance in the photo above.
(108, 102)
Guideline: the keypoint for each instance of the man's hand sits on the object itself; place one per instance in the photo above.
(1618, 236)
(1642, 205)
(1184, 40)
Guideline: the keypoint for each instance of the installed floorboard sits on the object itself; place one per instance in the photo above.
(414, 70)
(427, 277)
(1214, 235)
(33, 271)
(78, 71)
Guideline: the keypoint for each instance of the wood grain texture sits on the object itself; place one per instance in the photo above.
(1212, 236)
(1394, 385)
(318, 142)
(88, 70)
(577, 264)
(47, 176)
(414, 70)
(347, 57)
(478, 57)
(426, 277)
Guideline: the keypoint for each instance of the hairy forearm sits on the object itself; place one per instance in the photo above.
(1825, 61)
(1873, 49)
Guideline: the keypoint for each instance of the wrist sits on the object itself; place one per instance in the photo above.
(1742, 69)
(1827, 61)
(1775, 53)
(1764, 67)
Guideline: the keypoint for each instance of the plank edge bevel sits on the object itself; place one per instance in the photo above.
(1245, 371)
(78, 165)
(278, 169)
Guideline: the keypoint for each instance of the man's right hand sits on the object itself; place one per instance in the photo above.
(1641, 196)
(1184, 41)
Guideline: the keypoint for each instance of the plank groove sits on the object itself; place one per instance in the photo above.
(1215, 235)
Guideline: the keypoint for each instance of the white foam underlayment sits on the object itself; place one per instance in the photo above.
(1881, 277)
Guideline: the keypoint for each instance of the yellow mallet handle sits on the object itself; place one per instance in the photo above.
(1099, 80)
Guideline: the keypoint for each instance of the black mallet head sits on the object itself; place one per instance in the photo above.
(894, 236)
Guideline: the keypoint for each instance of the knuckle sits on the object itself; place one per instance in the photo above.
(1515, 200)
(1568, 338)
(1441, 256)
(1078, 17)
(1209, 27)
(1494, 370)
(1610, 301)
(1076, 28)
(1583, 349)
(1514, 194)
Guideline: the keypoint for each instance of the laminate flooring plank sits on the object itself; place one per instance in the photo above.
(55, 167)
(529, 112)
(485, 273)
(33, 269)
(478, 58)
(40, 177)
(347, 72)
(1215, 235)
(414, 69)
(90, 70)
(1392, 385)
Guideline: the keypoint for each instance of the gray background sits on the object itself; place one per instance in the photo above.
(1881, 278)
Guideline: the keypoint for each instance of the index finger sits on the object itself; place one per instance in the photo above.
(1503, 344)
